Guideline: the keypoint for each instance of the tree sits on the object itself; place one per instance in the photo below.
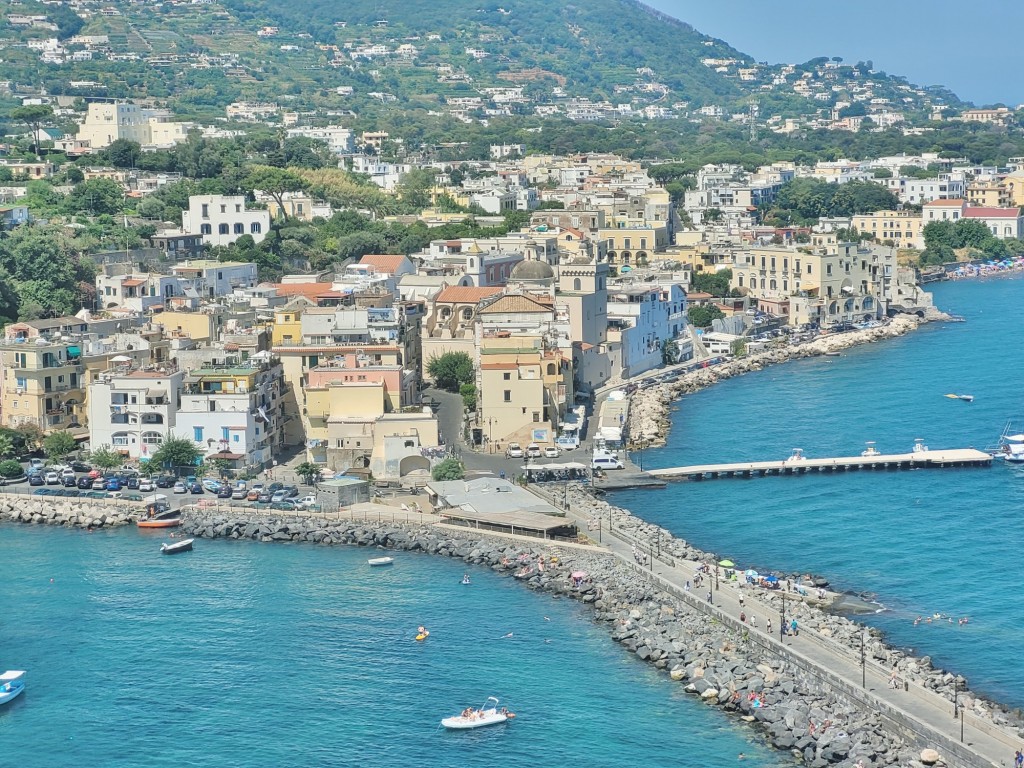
(176, 452)
(59, 445)
(96, 197)
(31, 437)
(309, 472)
(449, 469)
(468, 392)
(702, 316)
(276, 182)
(123, 153)
(6, 445)
(105, 458)
(715, 283)
(451, 370)
(221, 466)
(33, 116)
(10, 469)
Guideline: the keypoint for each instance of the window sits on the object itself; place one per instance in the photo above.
(551, 369)
(206, 211)
(205, 229)
(150, 438)
(237, 438)
(223, 209)
(536, 416)
(223, 229)
(224, 433)
(197, 434)
(255, 228)
(577, 284)
(508, 395)
(239, 229)
(507, 376)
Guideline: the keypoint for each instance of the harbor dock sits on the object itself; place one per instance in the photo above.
(801, 465)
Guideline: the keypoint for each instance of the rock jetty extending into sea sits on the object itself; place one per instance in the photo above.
(649, 408)
(723, 663)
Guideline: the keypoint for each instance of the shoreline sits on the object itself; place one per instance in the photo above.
(649, 411)
(801, 707)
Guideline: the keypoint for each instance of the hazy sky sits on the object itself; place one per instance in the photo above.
(930, 42)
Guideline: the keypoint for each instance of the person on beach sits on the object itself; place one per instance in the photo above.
(769, 629)
(794, 628)
(687, 587)
(753, 621)
(743, 617)
(709, 595)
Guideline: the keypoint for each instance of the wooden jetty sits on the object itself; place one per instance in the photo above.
(801, 465)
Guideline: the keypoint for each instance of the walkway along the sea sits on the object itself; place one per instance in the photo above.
(924, 716)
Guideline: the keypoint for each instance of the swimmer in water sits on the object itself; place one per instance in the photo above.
(505, 636)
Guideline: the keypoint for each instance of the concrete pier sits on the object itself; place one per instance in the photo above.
(958, 457)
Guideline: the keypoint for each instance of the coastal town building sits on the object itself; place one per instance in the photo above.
(109, 121)
(222, 219)
(132, 409)
(904, 229)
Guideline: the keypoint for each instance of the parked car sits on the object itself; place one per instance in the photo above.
(80, 466)
(225, 492)
(69, 481)
(239, 493)
(306, 502)
(41, 492)
(133, 482)
(96, 494)
(284, 506)
(211, 485)
(291, 491)
(179, 487)
(99, 484)
(164, 481)
(551, 452)
(278, 496)
(514, 451)
(94, 473)
(36, 464)
(114, 484)
(264, 497)
(66, 472)
(132, 497)
(252, 495)
(145, 485)
(36, 479)
(533, 451)
(52, 478)
(85, 483)
(275, 487)
(195, 488)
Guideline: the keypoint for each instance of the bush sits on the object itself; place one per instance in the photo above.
(451, 370)
(449, 469)
(10, 469)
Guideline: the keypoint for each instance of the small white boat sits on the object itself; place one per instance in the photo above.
(377, 562)
(488, 714)
(185, 545)
(798, 455)
(965, 398)
(11, 685)
(871, 450)
(919, 446)
(1010, 447)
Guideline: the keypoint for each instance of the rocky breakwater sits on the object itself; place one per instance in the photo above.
(721, 665)
(649, 408)
(65, 512)
(808, 606)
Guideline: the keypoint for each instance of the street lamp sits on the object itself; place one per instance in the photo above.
(863, 670)
(956, 690)
(782, 621)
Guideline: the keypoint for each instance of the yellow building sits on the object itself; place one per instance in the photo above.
(988, 194)
(633, 246)
(512, 399)
(1013, 185)
(201, 327)
(43, 385)
(903, 228)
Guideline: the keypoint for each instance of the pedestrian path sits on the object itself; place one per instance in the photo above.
(962, 739)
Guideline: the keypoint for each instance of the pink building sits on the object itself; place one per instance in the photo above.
(354, 368)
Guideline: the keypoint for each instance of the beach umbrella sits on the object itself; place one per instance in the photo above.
(771, 579)
(579, 574)
(727, 563)
(751, 573)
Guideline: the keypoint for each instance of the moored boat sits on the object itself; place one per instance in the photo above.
(185, 545)
(470, 718)
(377, 562)
(1010, 447)
(11, 685)
(870, 450)
(168, 518)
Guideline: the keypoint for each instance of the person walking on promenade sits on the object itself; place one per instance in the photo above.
(1018, 759)
(753, 621)
(741, 599)
(709, 595)
(743, 617)
(769, 629)
(794, 628)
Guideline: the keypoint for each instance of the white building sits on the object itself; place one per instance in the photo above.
(341, 141)
(386, 175)
(639, 319)
(132, 411)
(212, 279)
(106, 122)
(222, 219)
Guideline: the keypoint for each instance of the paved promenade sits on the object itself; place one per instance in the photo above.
(927, 714)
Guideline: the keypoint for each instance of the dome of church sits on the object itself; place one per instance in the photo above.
(532, 270)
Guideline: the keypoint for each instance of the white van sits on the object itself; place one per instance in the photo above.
(605, 461)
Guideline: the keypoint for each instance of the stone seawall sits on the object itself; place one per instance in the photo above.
(649, 408)
(812, 614)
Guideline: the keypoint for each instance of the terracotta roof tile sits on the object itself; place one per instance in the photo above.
(385, 263)
(516, 303)
(991, 213)
(468, 294)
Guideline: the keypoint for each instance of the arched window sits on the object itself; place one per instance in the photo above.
(224, 229)
(740, 281)
(577, 284)
(239, 229)
(774, 285)
(762, 283)
(446, 312)
(205, 229)
(467, 314)
(255, 228)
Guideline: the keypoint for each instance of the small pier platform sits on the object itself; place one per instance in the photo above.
(958, 457)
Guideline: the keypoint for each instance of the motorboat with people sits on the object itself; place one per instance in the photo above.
(465, 579)
(965, 398)
(488, 714)
(185, 545)
(798, 455)
(154, 518)
(919, 446)
(870, 450)
(379, 562)
(1010, 446)
(11, 685)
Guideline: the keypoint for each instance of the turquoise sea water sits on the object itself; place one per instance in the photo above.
(926, 541)
(246, 654)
